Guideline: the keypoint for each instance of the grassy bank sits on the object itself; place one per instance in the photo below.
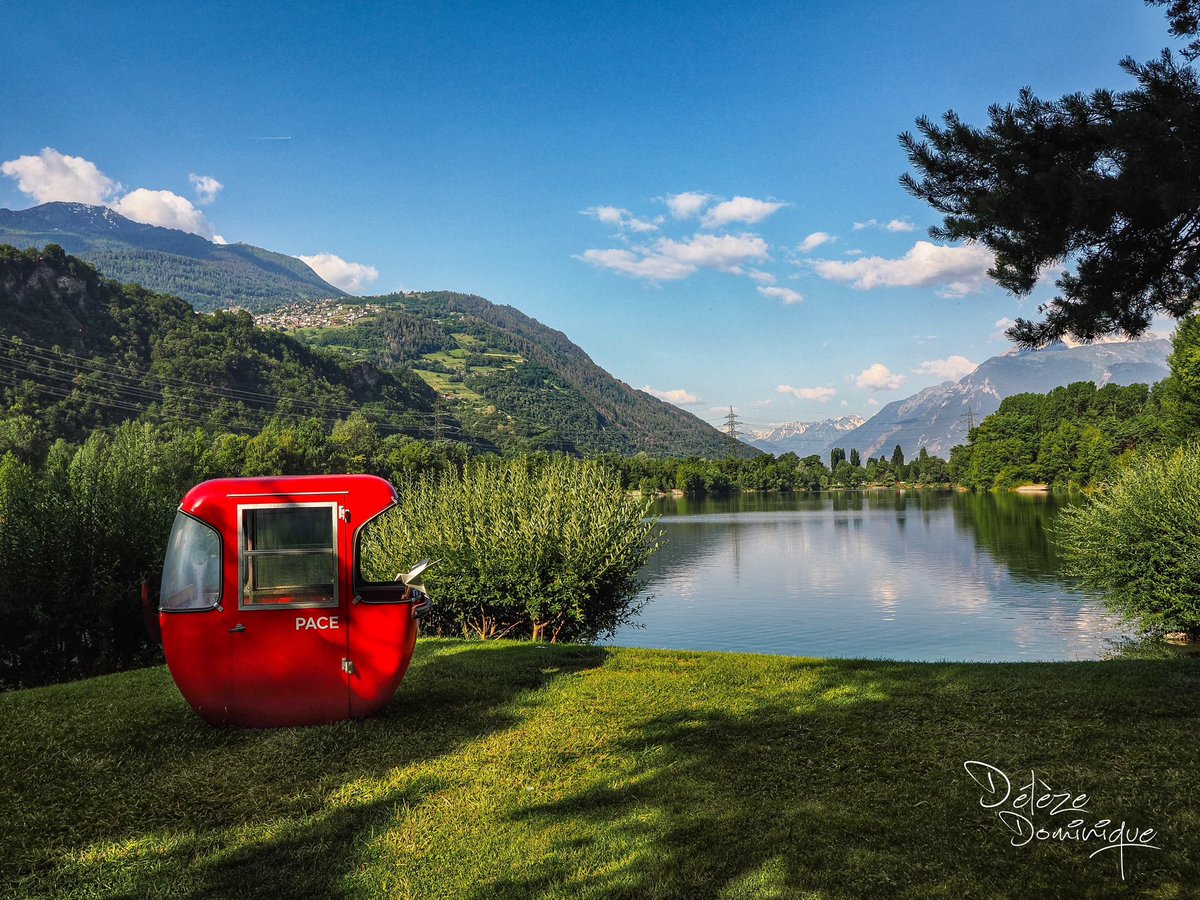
(512, 769)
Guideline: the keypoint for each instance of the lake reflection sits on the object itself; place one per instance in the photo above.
(913, 576)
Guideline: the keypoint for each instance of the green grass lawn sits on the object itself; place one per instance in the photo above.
(514, 770)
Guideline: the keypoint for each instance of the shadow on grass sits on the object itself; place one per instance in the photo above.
(278, 796)
(857, 788)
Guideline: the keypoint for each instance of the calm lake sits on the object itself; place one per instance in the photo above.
(914, 575)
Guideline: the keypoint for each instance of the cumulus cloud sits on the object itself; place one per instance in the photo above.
(351, 277)
(956, 270)
(670, 260)
(820, 394)
(815, 240)
(870, 223)
(952, 368)
(787, 295)
(688, 204)
(678, 396)
(758, 276)
(620, 218)
(164, 209)
(206, 188)
(51, 176)
(740, 209)
(877, 377)
(871, 401)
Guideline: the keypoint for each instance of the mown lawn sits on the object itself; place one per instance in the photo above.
(513, 770)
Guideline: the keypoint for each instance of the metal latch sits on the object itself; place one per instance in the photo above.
(348, 667)
(343, 514)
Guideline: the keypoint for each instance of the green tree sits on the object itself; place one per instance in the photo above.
(836, 455)
(854, 457)
(897, 457)
(1106, 181)
(1137, 545)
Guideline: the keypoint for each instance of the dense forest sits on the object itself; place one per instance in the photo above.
(1073, 437)
(1080, 436)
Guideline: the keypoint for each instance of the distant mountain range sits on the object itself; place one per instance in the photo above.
(937, 417)
(207, 275)
(804, 438)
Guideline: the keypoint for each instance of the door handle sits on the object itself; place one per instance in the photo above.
(239, 627)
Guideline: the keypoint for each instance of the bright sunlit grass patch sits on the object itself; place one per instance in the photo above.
(514, 769)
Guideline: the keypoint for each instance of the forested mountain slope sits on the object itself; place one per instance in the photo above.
(206, 275)
(504, 373)
(78, 352)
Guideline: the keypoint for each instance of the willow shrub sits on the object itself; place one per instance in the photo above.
(546, 549)
(1137, 543)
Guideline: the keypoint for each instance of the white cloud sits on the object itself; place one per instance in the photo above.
(952, 368)
(740, 209)
(644, 264)
(1001, 326)
(351, 277)
(164, 209)
(760, 277)
(217, 239)
(669, 260)
(206, 188)
(678, 396)
(51, 176)
(688, 204)
(815, 240)
(958, 270)
(877, 377)
(787, 295)
(895, 225)
(760, 404)
(621, 218)
(871, 401)
(820, 394)
(711, 251)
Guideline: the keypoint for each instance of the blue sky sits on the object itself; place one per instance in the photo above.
(703, 196)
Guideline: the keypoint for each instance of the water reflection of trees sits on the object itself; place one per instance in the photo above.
(1015, 529)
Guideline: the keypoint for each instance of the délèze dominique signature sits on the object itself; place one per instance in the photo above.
(1035, 811)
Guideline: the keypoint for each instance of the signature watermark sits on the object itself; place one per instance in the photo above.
(1035, 811)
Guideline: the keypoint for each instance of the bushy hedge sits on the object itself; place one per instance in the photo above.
(547, 549)
(1137, 543)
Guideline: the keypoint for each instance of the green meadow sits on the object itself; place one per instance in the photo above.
(512, 769)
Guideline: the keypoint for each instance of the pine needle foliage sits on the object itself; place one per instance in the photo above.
(1137, 545)
(547, 548)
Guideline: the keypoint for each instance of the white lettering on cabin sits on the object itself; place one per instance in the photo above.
(320, 623)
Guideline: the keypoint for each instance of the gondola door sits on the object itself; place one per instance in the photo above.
(290, 640)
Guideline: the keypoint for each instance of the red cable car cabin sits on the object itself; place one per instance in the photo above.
(265, 619)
